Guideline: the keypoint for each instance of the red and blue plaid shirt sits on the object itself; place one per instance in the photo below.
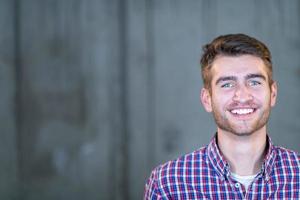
(205, 174)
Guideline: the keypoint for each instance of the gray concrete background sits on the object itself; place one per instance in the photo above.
(95, 94)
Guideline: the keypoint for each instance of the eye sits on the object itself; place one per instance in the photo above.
(254, 83)
(227, 85)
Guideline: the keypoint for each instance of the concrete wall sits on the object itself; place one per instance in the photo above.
(96, 93)
(8, 119)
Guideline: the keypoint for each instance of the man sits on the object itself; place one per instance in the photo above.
(240, 162)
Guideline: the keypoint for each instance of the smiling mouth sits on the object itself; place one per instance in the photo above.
(242, 111)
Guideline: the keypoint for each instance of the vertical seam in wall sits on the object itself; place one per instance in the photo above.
(18, 90)
(151, 133)
(123, 80)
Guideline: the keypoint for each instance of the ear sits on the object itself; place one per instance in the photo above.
(273, 93)
(206, 99)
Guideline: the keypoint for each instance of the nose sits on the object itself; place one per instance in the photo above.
(242, 94)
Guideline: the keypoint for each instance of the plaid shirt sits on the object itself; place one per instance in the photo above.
(205, 174)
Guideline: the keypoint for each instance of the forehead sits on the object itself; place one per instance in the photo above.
(238, 66)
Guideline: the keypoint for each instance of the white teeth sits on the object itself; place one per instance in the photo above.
(242, 111)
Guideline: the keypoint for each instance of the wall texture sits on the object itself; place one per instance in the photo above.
(95, 94)
(8, 120)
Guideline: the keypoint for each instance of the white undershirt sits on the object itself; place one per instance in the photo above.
(245, 180)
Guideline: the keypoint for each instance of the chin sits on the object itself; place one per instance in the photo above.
(242, 131)
(242, 134)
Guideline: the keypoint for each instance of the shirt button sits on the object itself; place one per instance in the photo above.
(237, 185)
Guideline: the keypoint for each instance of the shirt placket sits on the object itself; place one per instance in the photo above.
(249, 193)
(238, 188)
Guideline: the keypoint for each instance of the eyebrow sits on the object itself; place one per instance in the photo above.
(234, 78)
(249, 76)
(226, 78)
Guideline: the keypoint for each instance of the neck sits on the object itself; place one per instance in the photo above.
(245, 154)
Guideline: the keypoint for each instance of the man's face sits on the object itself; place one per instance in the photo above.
(240, 97)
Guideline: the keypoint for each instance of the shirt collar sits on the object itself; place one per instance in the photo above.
(269, 160)
(222, 166)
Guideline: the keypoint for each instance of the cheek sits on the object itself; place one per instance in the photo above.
(220, 102)
(262, 95)
(223, 97)
(263, 100)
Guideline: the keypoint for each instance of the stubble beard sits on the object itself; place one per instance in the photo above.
(244, 128)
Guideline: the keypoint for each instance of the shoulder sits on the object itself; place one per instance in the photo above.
(182, 164)
(168, 176)
(287, 157)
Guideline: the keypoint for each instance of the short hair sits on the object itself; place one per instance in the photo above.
(233, 45)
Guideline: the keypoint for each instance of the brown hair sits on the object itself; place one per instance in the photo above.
(233, 45)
